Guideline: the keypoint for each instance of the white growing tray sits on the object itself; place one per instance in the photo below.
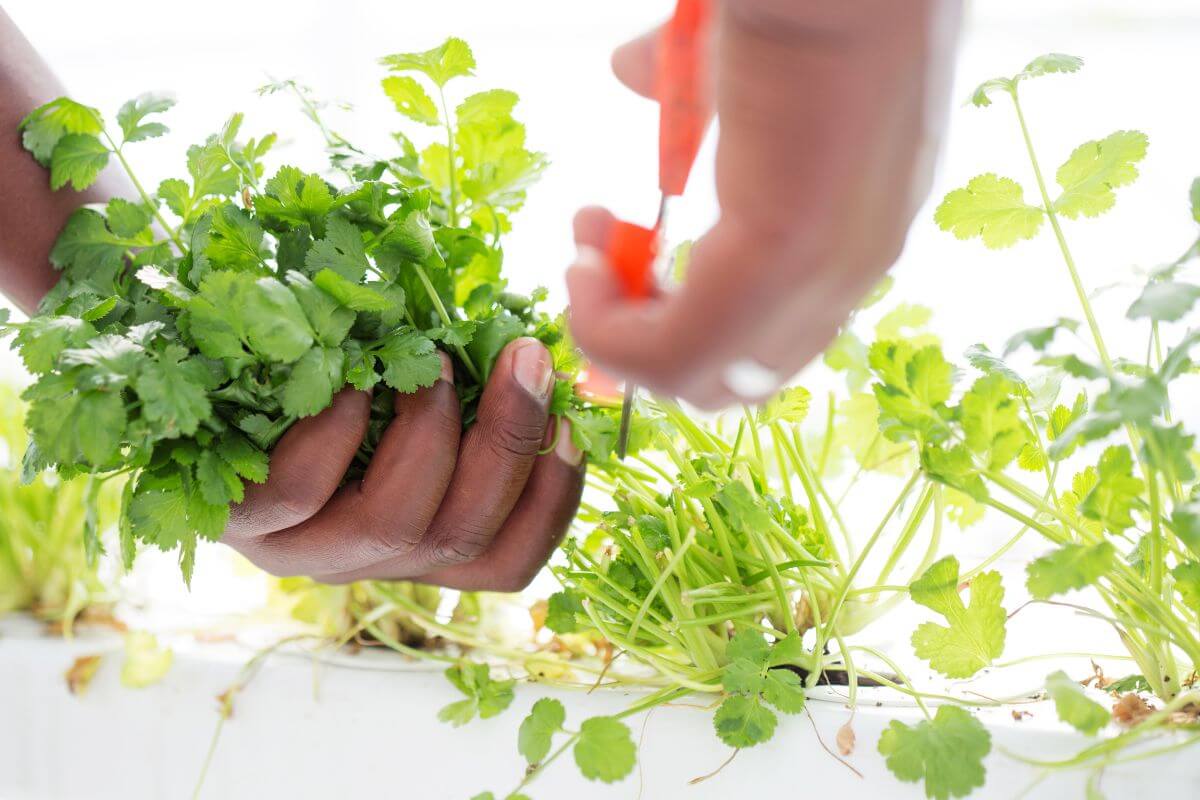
(371, 730)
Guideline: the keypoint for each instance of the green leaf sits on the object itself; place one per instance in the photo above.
(485, 696)
(410, 361)
(561, 610)
(410, 99)
(487, 108)
(174, 392)
(744, 510)
(295, 198)
(131, 117)
(78, 159)
(975, 636)
(1074, 706)
(146, 662)
(1194, 195)
(1165, 301)
(329, 320)
(1095, 169)
(1116, 493)
(784, 689)
(177, 195)
(992, 208)
(218, 481)
(351, 295)
(946, 752)
(1185, 523)
(80, 428)
(313, 380)
(1072, 566)
(43, 338)
(47, 124)
(1169, 450)
(1187, 583)
(1051, 64)
(545, 719)
(451, 59)
(341, 251)
(246, 459)
(991, 420)
(605, 750)
(236, 241)
(789, 406)
(742, 721)
(126, 219)
(1038, 338)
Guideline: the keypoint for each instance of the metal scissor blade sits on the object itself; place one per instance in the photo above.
(626, 418)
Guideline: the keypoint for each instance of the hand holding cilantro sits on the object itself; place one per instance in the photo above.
(828, 120)
(352, 325)
(475, 510)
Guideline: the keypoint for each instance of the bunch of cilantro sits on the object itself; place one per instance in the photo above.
(195, 324)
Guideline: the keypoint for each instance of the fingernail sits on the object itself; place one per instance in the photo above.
(565, 447)
(533, 369)
(447, 369)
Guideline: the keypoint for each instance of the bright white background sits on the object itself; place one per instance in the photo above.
(1142, 58)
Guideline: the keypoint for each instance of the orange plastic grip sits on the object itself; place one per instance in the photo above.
(683, 91)
(631, 251)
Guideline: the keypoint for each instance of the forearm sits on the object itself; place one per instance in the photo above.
(31, 215)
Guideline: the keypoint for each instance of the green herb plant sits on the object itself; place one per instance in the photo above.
(194, 324)
(44, 568)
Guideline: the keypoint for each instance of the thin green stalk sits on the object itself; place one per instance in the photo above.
(150, 204)
(446, 320)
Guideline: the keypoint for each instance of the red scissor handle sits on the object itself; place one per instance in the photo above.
(632, 250)
(683, 92)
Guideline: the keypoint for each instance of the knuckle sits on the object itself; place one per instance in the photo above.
(467, 541)
(387, 537)
(295, 501)
(511, 439)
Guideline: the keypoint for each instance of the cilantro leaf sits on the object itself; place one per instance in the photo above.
(991, 420)
(742, 721)
(352, 295)
(131, 117)
(451, 59)
(341, 251)
(545, 719)
(313, 380)
(46, 125)
(1165, 301)
(1038, 338)
(605, 750)
(1095, 169)
(946, 752)
(561, 610)
(296, 198)
(1116, 493)
(77, 159)
(486, 697)
(174, 392)
(992, 208)
(1072, 566)
(410, 99)
(789, 406)
(1074, 706)
(1187, 583)
(410, 361)
(975, 636)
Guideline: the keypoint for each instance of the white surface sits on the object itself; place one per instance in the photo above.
(372, 731)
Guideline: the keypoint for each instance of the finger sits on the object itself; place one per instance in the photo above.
(385, 515)
(497, 455)
(307, 465)
(668, 341)
(634, 63)
(533, 530)
(593, 227)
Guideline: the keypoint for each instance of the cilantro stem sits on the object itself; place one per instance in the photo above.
(451, 158)
(446, 320)
(1048, 206)
(141, 190)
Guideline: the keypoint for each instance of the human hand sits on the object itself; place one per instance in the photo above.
(484, 513)
(829, 119)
